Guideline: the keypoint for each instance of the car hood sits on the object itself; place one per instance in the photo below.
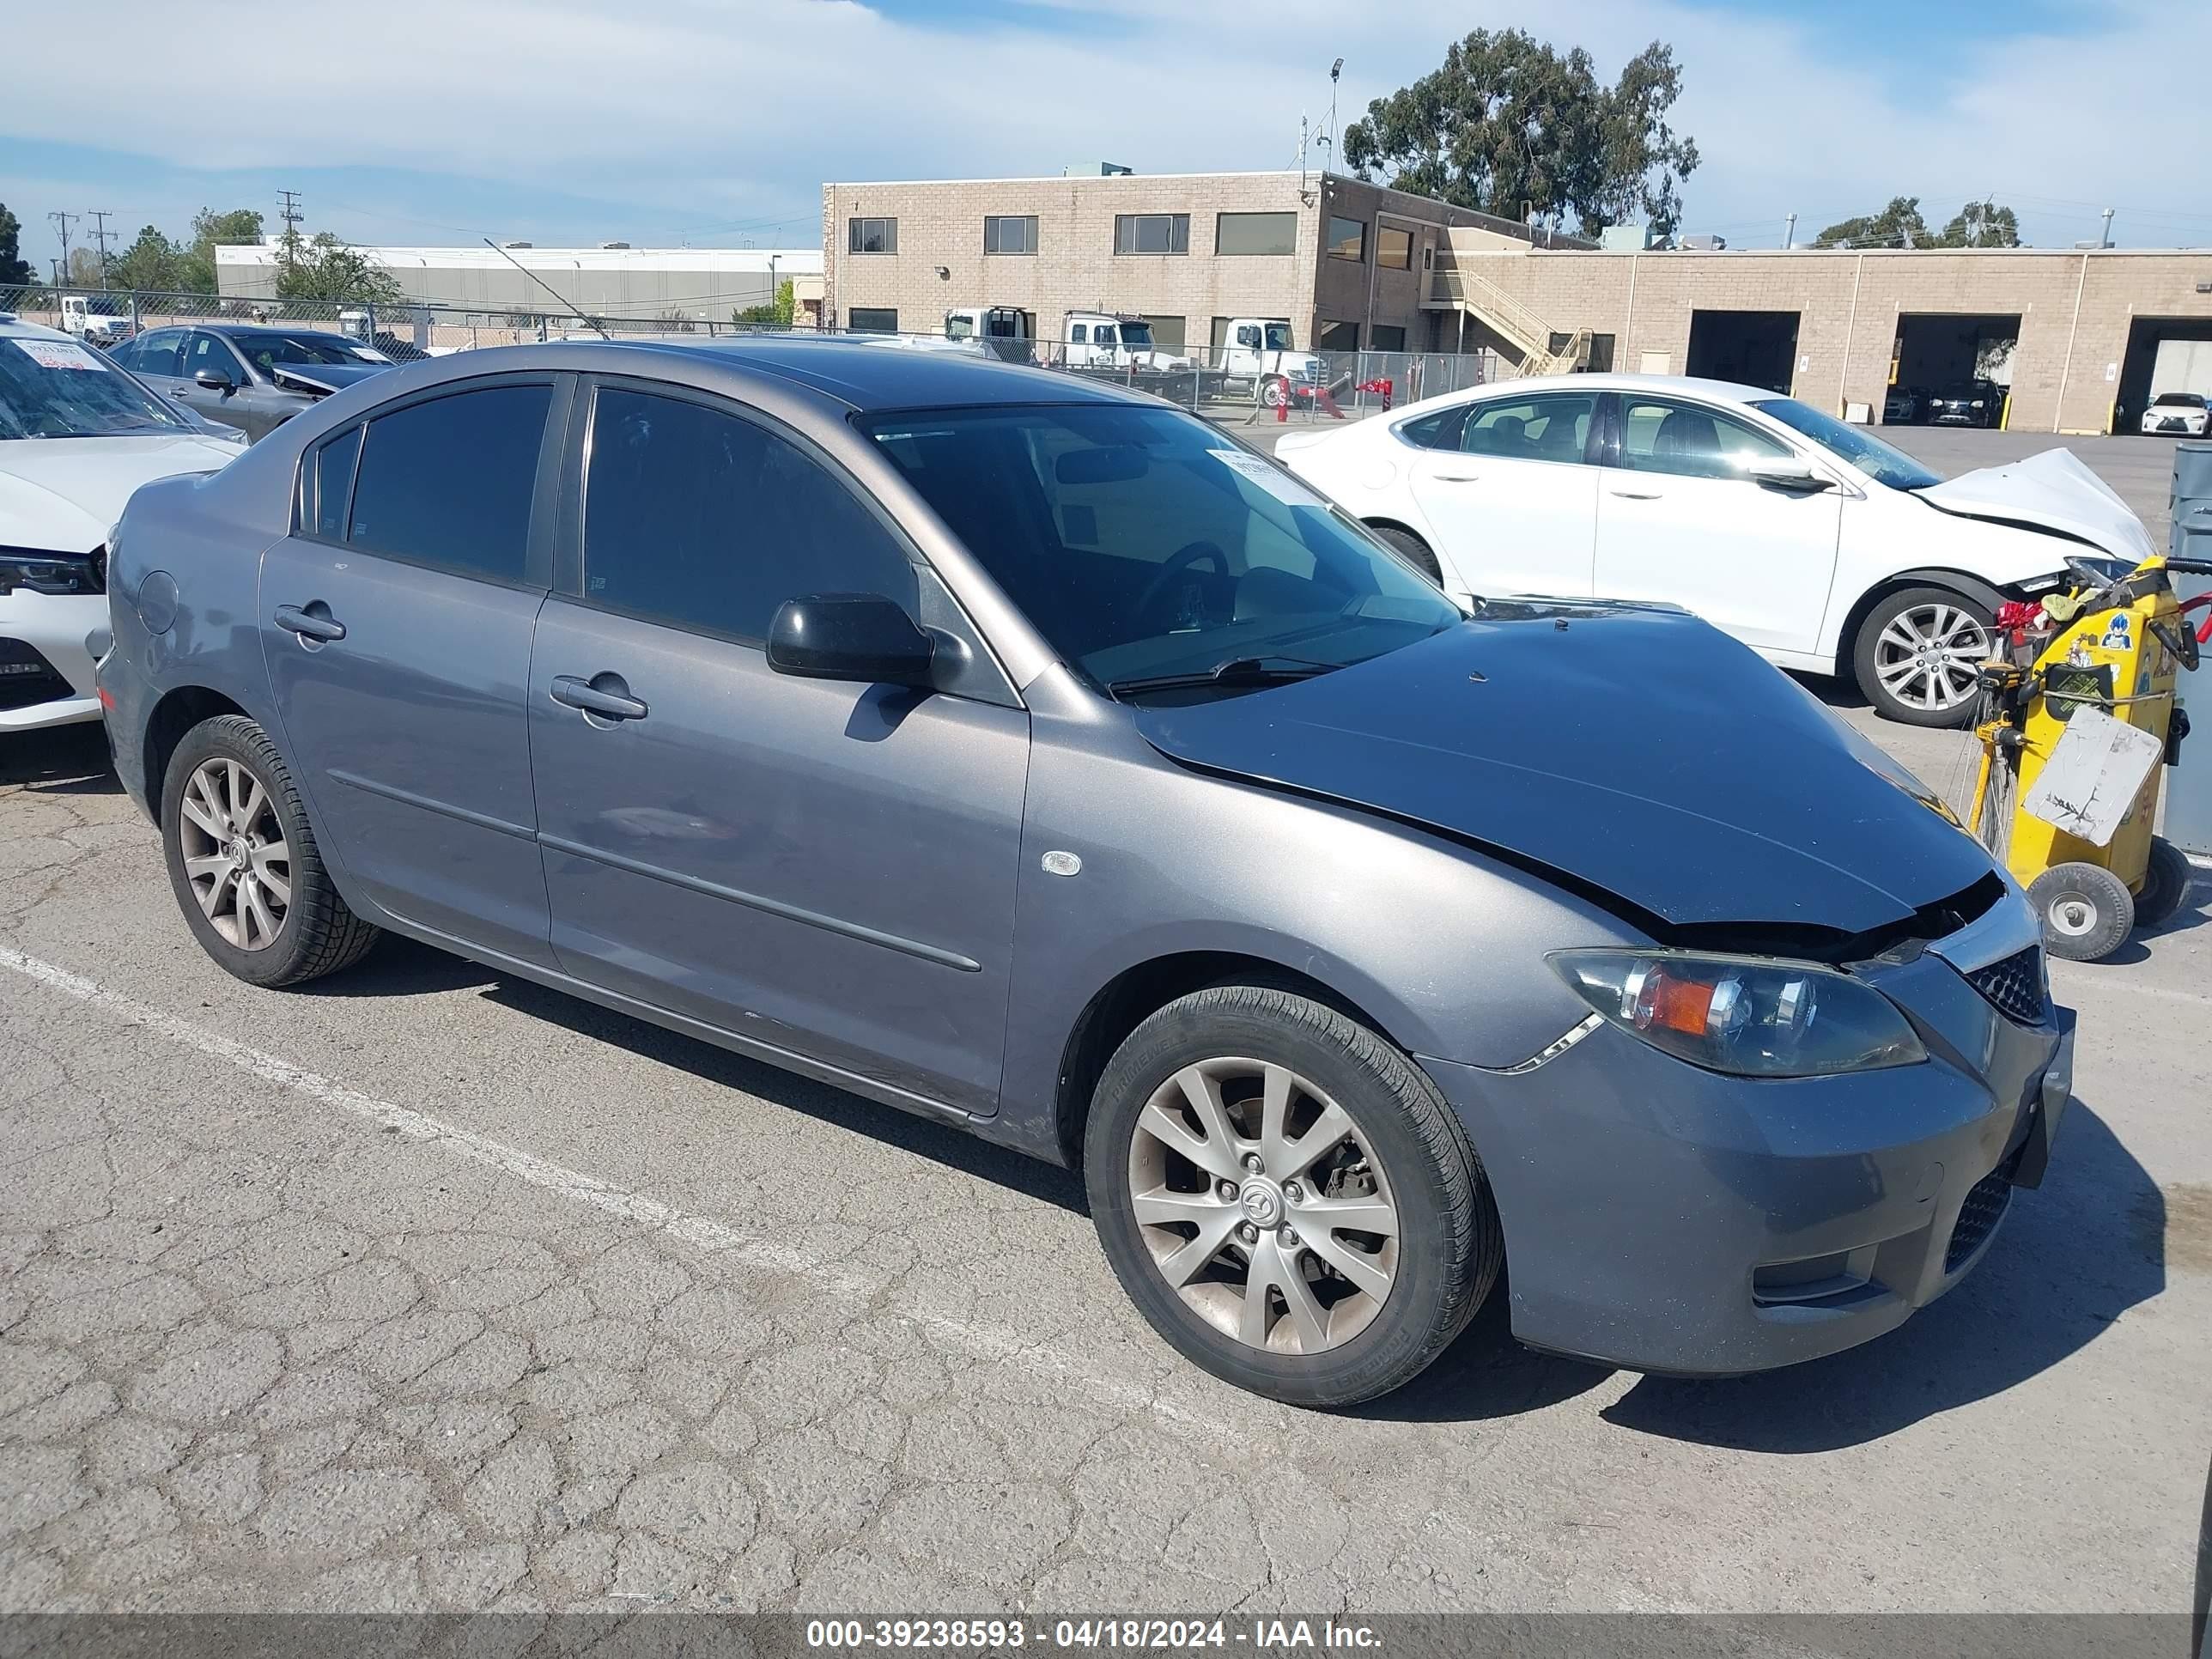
(1635, 750)
(65, 493)
(325, 378)
(2053, 491)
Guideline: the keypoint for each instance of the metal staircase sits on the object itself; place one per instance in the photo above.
(1452, 288)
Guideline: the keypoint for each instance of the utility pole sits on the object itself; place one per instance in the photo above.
(61, 221)
(100, 216)
(1789, 234)
(289, 213)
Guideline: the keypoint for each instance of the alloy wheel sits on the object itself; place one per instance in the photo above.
(236, 856)
(1262, 1203)
(1930, 657)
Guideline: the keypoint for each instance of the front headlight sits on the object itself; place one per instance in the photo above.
(57, 574)
(1748, 1016)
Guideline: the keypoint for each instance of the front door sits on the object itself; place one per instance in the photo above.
(1679, 520)
(396, 626)
(1511, 493)
(826, 868)
(246, 405)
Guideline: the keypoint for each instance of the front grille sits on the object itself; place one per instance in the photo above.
(2015, 985)
(27, 679)
(1978, 1219)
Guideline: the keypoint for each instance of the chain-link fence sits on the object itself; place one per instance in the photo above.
(1223, 382)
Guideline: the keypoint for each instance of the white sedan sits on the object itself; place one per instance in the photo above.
(1813, 542)
(2179, 414)
(77, 435)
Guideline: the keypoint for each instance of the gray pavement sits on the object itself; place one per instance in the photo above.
(424, 1287)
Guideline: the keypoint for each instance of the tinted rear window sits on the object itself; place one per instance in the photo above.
(448, 482)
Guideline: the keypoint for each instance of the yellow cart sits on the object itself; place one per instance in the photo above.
(2068, 799)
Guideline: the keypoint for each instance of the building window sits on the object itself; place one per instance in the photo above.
(873, 235)
(873, 319)
(1393, 247)
(1385, 337)
(1600, 355)
(1347, 238)
(1167, 331)
(1337, 337)
(1152, 233)
(1256, 233)
(1009, 232)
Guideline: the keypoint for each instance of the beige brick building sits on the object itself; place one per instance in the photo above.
(2085, 323)
(1342, 261)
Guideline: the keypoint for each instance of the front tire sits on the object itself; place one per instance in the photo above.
(243, 861)
(1417, 553)
(2086, 910)
(1287, 1197)
(1919, 656)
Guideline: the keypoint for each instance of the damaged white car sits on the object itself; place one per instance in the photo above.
(1813, 542)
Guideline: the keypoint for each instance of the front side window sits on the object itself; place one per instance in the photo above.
(448, 482)
(1555, 427)
(162, 352)
(1255, 234)
(702, 519)
(1347, 238)
(1152, 233)
(1393, 247)
(1690, 441)
(1280, 338)
(871, 235)
(1105, 334)
(1142, 542)
(210, 352)
(1009, 232)
(1881, 462)
(57, 388)
(872, 319)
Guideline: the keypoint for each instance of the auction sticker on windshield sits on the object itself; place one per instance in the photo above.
(59, 353)
(1279, 484)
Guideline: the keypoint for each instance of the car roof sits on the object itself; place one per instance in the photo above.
(868, 377)
(13, 327)
(1691, 386)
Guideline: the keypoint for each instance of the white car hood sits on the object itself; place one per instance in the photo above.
(2051, 491)
(64, 494)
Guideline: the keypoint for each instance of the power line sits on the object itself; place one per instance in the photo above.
(100, 216)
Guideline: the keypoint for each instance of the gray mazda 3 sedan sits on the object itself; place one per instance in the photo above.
(1025, 753)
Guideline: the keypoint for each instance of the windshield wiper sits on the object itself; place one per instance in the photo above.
(1237, 671)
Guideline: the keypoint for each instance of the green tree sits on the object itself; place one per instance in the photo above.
(194, 270)
(83, 267)
(775, 314)
(321, 267)
(1898, 225)
(152, 262)
(14, 271)
(1981, 224)
(1510, 126)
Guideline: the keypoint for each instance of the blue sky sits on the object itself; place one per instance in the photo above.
(715, 121)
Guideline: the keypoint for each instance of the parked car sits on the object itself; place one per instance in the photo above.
(76, 437)
(254, 377)
(1813, 542)
(1970, 403)
(1053, 767)
(2183, 413)
(1901, 405)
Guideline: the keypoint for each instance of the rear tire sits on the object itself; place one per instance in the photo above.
(1418, 552)
(1362, 1308)
(2087, 912)
(2166, 882)
(1918, 653)
(243, 861)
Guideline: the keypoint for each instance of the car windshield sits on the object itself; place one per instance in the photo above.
(1877, 459)
(53, 388)
(1279, 337)
(1144, 544)
(958, 328)
(263, 349)
(2178, 400)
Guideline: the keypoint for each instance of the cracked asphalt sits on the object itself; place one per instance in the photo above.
(424, 1288)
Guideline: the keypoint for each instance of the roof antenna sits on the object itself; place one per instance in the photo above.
(588, 322)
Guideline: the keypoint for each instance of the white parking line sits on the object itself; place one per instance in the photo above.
(989, 1344)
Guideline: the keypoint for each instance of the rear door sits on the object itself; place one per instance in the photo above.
(1679, 520)
(397, 621)
(1512, 492)
(826, 869)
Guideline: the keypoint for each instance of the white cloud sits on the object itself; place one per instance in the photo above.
(716, 111)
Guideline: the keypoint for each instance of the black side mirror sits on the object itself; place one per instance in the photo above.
(214, 380)
(849, 636)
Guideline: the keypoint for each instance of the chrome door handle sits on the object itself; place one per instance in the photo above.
(1459, 477)
(1636, 495)
(309, 625)
(581, 694)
